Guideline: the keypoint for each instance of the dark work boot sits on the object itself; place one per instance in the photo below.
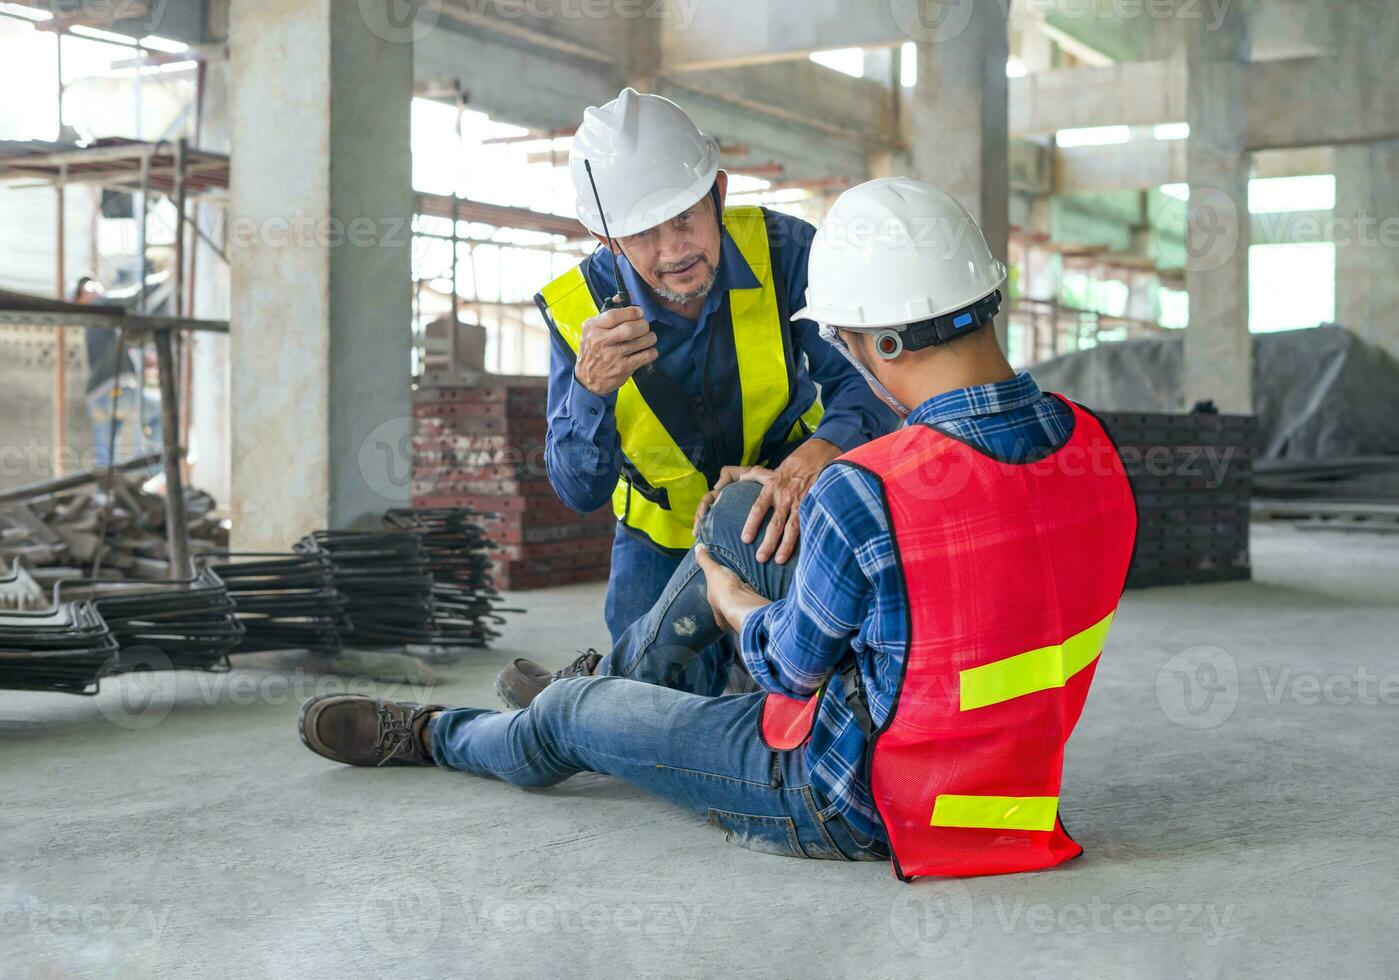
(522, 681)
(364, 731)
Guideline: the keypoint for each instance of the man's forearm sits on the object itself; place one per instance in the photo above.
(737, 605)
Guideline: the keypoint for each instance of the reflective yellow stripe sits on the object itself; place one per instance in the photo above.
(763, 384)
(996, 812)
(1037, 670)
(570, 302)
(645, 440)
(762, 363)
(659, 523)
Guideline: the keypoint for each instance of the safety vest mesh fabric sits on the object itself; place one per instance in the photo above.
(760, 341)
(1013, 572)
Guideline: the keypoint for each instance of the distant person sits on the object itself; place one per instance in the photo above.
(109, 375)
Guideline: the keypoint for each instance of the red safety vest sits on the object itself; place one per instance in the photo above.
(1013, 572)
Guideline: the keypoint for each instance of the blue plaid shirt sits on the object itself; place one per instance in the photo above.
(792, 646)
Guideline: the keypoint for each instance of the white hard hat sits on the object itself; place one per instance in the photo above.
(649, 160)
(895, 251)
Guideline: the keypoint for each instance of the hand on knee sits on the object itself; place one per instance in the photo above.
(723, 521)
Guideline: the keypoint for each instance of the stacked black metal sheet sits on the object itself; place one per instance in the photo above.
(1192, 474)
(457, 549)
(64, 648)
(283, 601)
(189, 622)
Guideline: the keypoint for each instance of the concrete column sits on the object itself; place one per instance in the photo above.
(208, 418)
(319, 241)
(956, 124)
(1218, 356)
(1367, 242)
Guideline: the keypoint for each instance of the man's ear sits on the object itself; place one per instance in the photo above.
(615, 250)
(721, 182)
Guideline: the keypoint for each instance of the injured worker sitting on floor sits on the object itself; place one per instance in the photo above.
(925, 658)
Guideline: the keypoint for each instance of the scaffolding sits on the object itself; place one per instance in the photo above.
(19, 309)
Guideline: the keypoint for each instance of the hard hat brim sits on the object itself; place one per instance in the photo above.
(813, 311)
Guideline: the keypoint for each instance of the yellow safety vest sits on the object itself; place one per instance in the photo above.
(664, 510)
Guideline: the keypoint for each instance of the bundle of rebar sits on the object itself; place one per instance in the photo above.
(464, 603)
(284, 601)
(384, 578)
(176, 624)
(63, 648)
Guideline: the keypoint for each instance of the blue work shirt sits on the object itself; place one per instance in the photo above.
(583, 450)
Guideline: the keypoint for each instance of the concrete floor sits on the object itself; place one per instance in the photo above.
(1232, 780)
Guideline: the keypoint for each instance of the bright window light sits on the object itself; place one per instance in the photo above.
(1181, 192)
(741, 183)
(1171, 131)
(100, 35)
(26, 64)
(171, 68)
(157, 43)
(1291, 286)
(1015, 68)
(847, 61)
(908, 64)
(1093, 136)
(1175, 307)
(28, 13)
(1313, 193)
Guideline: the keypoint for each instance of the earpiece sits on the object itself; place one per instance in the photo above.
(888, 344)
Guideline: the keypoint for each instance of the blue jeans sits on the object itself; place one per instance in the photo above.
(650, 728)
(131, 406)
(640, 577)
(639, 574)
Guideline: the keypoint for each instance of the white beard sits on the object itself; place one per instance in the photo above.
(699, 292)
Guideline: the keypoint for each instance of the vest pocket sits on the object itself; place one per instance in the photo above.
(768, 835)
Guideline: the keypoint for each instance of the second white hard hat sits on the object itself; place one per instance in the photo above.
(895, 251)
(649, 160)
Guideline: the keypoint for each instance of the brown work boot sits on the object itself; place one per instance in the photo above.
(522, 681)
(364, 731)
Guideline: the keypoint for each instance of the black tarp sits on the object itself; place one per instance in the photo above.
(1321, 393)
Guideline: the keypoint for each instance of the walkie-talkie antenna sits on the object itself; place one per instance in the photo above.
(622, 297)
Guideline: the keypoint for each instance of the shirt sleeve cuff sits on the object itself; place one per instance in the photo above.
(588, 410)
(841, 432)
(752, 640)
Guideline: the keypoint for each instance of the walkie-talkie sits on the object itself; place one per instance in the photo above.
(622, 298)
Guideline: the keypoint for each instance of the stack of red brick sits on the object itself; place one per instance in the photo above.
(483, 447)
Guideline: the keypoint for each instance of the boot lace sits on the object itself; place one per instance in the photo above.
(395, 732)
(581, 667)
